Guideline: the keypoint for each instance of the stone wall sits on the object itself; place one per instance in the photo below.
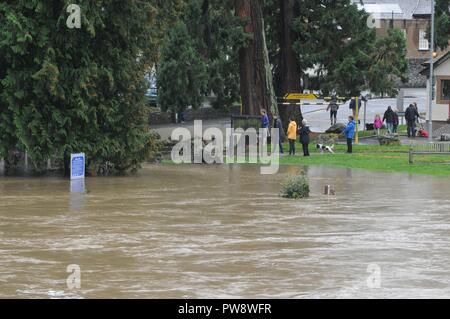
(415, 79)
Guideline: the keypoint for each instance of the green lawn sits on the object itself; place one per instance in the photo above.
(371, 157)
(374, 158)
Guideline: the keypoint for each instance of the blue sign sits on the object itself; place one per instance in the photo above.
(77, 166)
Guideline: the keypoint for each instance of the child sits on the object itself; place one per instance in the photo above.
(377, 124)
(292, 135)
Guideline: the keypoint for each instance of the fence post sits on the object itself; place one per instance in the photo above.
(411, 154)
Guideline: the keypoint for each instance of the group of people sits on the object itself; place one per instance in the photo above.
(303, 132)
(391, 119)
(293, 131)
(333, 108)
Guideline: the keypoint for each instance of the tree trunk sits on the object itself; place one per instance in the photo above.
(257, 91)
(289, 70)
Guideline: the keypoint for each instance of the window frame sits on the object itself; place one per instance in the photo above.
(422, 39)
(440, 98)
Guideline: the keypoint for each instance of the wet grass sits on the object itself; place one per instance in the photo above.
(375, 158)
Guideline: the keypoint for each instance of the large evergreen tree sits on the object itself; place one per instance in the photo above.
(283, 39)
(78, 90)
(211, 37)
(442, 23)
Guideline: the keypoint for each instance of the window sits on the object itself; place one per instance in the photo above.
(424, 44)
(445, 92)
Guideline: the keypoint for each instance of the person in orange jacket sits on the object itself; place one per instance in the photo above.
(292, 135)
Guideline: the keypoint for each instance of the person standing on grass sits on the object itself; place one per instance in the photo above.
(304, 132)
(292, 135)
(265, 127)
(377, 124)
(389, 117)
(333, 108)
(278, 125)
(411, 116)
(349, 133)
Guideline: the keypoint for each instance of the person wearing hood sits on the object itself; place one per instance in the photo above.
(389, 117)
(304, 132)
(349, 133)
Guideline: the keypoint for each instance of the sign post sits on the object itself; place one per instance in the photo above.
(357, 119)
(77, 166)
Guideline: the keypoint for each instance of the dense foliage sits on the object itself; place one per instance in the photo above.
(442, 23)
(68, 90)
(199, 56)
(331, 37)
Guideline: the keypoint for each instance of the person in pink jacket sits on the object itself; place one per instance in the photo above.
(377, 124)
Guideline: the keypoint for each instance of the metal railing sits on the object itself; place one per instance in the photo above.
(428, 149)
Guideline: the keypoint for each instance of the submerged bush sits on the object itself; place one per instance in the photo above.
(295, 187)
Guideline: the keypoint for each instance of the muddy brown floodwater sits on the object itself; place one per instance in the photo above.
(222, 231)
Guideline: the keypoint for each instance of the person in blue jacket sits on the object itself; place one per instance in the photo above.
(349, 133)
(265, 122)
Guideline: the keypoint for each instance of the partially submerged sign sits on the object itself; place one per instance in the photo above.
(301, 96)
(77, 166)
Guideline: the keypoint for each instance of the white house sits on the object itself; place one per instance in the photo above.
(441, 92)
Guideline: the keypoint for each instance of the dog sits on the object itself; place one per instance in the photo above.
(325, 148)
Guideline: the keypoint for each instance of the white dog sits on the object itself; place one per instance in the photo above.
(325, 148)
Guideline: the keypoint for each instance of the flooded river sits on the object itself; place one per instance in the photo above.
(222, 231)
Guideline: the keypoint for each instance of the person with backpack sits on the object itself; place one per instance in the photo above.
(389, 117)
(304, 132)
(349, 133)
(333, 108)
(411, 116)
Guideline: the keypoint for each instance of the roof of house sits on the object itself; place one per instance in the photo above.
(436, 63)
(402, 9)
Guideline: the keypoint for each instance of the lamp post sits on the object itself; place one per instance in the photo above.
(430, 98)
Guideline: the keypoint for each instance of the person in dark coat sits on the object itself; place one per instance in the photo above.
(389, 117)
(411, 116)
(278, 125)
(304, 132)
(353, 106)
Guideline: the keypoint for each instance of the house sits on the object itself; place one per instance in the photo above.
(413, 18)
(441, 90)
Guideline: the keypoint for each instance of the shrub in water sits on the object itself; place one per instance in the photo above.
(295, 187)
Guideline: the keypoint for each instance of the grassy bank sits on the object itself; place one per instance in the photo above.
(374, 158)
